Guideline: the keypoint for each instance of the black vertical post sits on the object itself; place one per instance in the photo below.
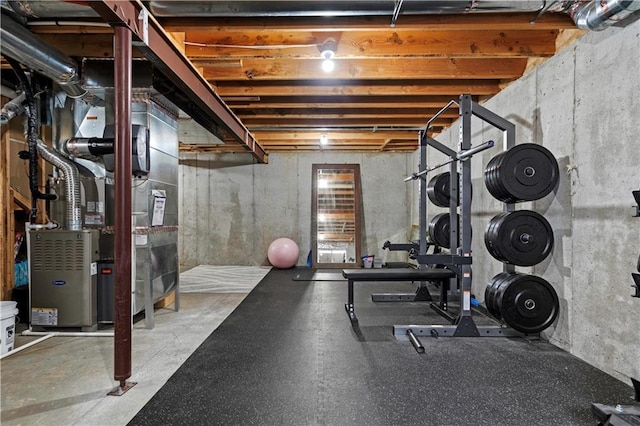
(422, 189)
(466, 325)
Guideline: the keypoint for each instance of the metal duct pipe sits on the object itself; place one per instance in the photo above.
(12, 108)
(89, 148)
(598, 14)
(49, 9)
(24, 46)
(239, 8)
(72, 184)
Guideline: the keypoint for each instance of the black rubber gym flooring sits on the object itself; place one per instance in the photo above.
(289, 356)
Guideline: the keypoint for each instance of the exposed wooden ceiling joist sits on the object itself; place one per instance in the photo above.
(386, 84)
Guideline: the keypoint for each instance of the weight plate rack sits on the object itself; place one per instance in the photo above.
(523, 304)
(524, 172)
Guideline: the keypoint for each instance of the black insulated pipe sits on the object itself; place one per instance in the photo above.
(90, 148)
(32, 139)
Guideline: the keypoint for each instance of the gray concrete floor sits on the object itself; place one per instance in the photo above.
(65, 380)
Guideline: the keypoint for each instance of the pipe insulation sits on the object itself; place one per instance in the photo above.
(22, 45)
(72, 184)
(31, 133)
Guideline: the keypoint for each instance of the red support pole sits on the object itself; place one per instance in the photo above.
(122, 321)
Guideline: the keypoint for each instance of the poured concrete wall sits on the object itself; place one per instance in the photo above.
(584, 106)
(232, 210)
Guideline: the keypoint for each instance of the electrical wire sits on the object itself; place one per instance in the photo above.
(234, 46)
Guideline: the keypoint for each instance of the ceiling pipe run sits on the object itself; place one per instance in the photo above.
(592, 15)
(25, 47)
(48, 9)
(239, 8)
(598, 14)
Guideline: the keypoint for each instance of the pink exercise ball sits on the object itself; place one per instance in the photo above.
(283, 253)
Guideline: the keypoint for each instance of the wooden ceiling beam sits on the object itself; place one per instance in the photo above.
(333, 142)
(394, 105)
(357, 88)
(301, 135)
(435, 22)
(238, 149)
(89, 45)
(312, 122)
(306, 102)
(371, 69)
(371, 44)
(425, 113)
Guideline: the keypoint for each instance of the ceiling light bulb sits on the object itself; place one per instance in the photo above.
(328, 65)
(328, 52)
(324, 139)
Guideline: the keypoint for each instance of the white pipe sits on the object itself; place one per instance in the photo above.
(64, 23)
(49, 334)
(49, 225)
(27, 345)
(68, 333)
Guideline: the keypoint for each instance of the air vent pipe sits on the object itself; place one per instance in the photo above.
(25, 47)
(72, 184)
(598, 14)
(12, 108)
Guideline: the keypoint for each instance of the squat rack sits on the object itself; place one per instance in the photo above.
(460, 259)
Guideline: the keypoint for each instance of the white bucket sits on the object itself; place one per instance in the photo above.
(8, 312)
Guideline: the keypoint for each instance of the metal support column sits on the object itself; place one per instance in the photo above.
(123, 250)
(465, 326)
(422, 294)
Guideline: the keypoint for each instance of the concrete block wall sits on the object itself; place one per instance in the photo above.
(232, 209)
(583, 105)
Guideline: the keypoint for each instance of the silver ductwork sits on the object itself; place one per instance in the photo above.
(72, 184)
(12, 108)
(165, 9)
(48, 8)
(598, 15)
(588, 15)
(22, 45)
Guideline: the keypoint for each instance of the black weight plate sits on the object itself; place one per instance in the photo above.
(522, 238)
(439, 230)
(439, 189)
(491, 180)
(490, 237)
(490, 293)
(528, 304)
(525, 172)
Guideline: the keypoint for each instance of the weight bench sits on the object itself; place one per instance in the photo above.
(399, 274)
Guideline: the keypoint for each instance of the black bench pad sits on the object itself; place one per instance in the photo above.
(390, 274)
(397, 274)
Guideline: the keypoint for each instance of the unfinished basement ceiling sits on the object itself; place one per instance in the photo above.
(395, 64)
